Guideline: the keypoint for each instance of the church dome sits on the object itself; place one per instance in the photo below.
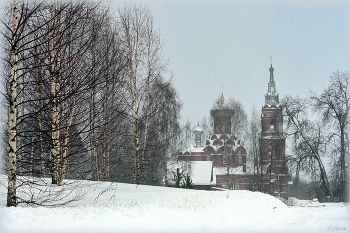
(198, 129)
(198, 135)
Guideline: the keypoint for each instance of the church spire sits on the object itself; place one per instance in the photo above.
(271, 96)
(271, 70)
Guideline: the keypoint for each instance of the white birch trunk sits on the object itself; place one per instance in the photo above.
(145, 136)
(135, 131)
(63, 170)
(65, 143)
(55, 87)
(12, 116)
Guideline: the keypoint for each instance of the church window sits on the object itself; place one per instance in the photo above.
(273, 124)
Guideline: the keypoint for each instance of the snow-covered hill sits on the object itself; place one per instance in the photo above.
(112, 207)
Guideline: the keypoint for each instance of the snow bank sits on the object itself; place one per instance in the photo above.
(111, 207)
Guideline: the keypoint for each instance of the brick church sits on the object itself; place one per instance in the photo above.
(222, 162)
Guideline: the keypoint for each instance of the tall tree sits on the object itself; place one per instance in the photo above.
(12, 114)
(253, 135)
(70, 26)
(143, 48)
(239, 120)
(309, 141)
(55, 70)
(50, 81)
(334, 105)
(88, 82)
(17, 45)
(163, 131)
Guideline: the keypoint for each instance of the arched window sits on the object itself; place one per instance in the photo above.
(239, 158)
(273, 124)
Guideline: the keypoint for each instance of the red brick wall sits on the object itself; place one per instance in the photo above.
(242, 182)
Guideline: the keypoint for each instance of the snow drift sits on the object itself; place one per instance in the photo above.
(116, 207)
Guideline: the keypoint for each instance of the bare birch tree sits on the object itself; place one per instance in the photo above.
(17, 45)
(143, 50)
(92, 90)
(12, 116)
(55, 69)
(47, 47)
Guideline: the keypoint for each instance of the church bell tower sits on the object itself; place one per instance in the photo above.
(272, 166)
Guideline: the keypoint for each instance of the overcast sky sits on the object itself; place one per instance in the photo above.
(210, 43)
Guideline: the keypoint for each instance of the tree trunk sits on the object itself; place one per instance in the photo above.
(145, 136)
(12, 117)
(41, 138)
(55, 88)
(71, 113)
(66, 142)
(134, 123)
(136, 149)
(93, 114)
(324, 179)
(343, 174)
(95, 167)
(106, 160)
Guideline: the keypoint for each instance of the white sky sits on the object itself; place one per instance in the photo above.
(210, 43)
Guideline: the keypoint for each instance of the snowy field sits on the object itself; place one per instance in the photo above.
(112, 207)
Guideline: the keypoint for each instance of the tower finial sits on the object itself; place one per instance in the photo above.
(271, 69)
(222, 91)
